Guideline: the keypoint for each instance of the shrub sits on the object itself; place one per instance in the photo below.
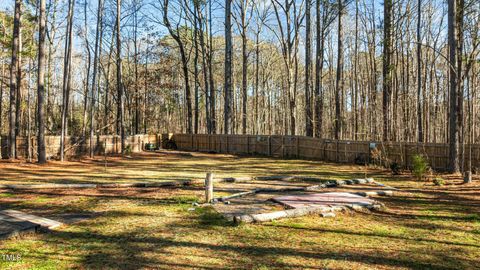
(171, 145)
(376, 156)
(420, 166)
(395, 167)
(361, 159)
(380, 158)
(128, 149)
(150, 147)
(438, 181)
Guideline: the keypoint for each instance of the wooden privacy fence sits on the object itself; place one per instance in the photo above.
(321, 149)
(77, 146)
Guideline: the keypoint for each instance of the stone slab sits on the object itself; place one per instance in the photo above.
(324, 200)
(10, 227)
(21, 216)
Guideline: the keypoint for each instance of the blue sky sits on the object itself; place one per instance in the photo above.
(6, 3)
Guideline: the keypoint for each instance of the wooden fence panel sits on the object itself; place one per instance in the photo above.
(77, 146)
(321, 149)
(289, 146)
(310, 148)
(276, 146)
(215, 143)
(261, 145)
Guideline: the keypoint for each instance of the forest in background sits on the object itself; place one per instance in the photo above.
(404, 70)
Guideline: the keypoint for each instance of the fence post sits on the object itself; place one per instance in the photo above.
(269, 140)
(34, 146)
(297, 145)
(209, 143)
(209, 188)
(105, 154)
(336, 151)
(405, 149)
(220, 141)
(228, 145)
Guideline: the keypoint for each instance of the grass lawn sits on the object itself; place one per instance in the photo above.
(424, 226)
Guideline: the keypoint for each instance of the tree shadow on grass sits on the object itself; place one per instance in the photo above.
(372, 234)
(420, 200)
(173, 243)
(126, 251)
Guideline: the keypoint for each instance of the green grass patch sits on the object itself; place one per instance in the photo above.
(6, 195)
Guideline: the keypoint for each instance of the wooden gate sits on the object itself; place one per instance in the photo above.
(276, 146)
(284, 146)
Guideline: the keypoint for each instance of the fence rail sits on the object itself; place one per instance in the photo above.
(322, 149)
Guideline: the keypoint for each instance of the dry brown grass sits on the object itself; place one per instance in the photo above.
(425, 226)
(164, 166)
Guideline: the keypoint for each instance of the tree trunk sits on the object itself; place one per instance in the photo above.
(459, 73)
(49, 84)
(135, 41)
(42, 155)
(244, 79)
(210, 68)
(29, 114)
(93, 91)
(308, 74)
(356, 75)
(339, 80)
(257, 83)
(419, 72)
(67, 76)
(205, 69)
(387, 69)
(88, 63)
(120, 101)
(1, 89)
(228, 68)
(318, 71)
(453, 157)
(243, 25)
(176, 37)
(145, 98)
(107, 102)
(13, 79)
(195, 68)
(18, 107)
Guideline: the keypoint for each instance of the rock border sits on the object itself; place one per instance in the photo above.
(328, 184)
(323, 211)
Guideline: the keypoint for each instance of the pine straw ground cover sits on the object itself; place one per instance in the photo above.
(424, 227)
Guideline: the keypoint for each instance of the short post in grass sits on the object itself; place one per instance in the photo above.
(105, 153)
(209, 188)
